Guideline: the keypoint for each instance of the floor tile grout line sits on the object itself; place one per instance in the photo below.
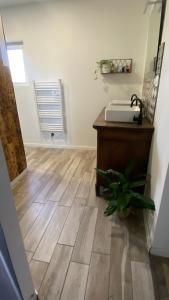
(129, 253)
(70, 181)
(50, 263)
(44, 230)
(100, 253)
(68, 270)
(61, 175)
(66, 275)
(67, 189)
(23, 237)
(71, 162)
(91, 251)
(63, 227)
(57, 203)
(110, 269)
(45, 272)
(84, 206)
(63, 224)
(78, 230)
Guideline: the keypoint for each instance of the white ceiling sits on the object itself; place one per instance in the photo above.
(5, 3)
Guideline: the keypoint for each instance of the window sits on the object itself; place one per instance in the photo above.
(16, 62)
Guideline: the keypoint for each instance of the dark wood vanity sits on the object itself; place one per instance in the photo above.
(119, 143)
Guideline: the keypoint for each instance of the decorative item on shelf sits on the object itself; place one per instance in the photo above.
(105, 66)
(123, 192)
(114, 66)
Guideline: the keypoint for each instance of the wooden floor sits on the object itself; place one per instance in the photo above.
(74, 251)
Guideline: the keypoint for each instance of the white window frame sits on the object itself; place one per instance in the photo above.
(15, 46)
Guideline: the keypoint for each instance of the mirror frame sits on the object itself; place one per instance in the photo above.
(161, 26)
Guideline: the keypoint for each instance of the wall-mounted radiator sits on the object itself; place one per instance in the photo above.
(50, 106)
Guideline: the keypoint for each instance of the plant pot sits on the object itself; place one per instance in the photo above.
(106, 68)
(124, 214)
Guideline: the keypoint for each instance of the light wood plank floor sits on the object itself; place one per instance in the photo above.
(73, 250)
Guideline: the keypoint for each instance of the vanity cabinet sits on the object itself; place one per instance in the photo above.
(119, 143)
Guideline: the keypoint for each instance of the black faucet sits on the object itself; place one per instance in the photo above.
(134, 96)
(138, 119)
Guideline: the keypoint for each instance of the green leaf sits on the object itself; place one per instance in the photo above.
(114, 189)
(123, 201)
(117, 174)
(120, 191)
(110, 210)
(144, 201)
(137, 183)
(105, 175)
(110, 197)
(114, 185)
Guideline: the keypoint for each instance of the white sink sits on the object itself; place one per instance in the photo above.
(121, 113)
(120, 102)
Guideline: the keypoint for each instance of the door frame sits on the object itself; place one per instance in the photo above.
(12, 233)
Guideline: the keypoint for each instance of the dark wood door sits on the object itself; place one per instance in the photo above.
(10, 132)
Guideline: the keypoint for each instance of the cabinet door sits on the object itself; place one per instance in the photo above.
(10, 132)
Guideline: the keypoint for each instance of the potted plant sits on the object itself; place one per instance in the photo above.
(104, 66)
(122, 192)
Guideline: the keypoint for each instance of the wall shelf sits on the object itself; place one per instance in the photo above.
(116, 66)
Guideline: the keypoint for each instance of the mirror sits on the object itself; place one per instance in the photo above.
(153, 41)
(156, 20)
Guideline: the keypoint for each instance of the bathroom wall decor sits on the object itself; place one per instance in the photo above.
(160, 59)
(114, 66)
(154, 57)
(151, 86)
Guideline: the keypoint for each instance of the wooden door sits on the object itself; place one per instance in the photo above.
(10, 132)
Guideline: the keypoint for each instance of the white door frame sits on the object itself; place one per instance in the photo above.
(11, 229)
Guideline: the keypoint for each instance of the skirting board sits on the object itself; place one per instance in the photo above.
(18, 178)
(59, 146)
(149, 228)
(159, 252)
(149, 236)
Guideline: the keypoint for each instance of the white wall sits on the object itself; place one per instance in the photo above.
(160, 155)
(160, 244)
(65, 39)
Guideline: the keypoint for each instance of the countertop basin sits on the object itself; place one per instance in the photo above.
(121, 113)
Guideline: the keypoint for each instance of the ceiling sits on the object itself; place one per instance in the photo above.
(5, 3)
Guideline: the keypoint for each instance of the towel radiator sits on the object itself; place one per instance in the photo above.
(50, 106)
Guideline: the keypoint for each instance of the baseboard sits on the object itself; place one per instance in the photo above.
(159, 252)
(59, 146)
(149, 221)
(18, 178)
(147, 230)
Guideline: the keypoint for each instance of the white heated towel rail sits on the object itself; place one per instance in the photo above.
(49, 100)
